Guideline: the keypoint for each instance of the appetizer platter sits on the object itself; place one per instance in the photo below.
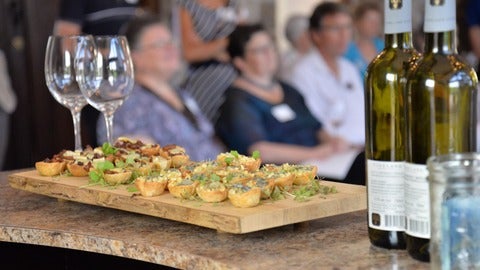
(233, 193)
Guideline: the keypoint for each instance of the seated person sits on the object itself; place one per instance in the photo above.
(155, 111)
(367, 42)
(297, 34)
(204, 27)
(330, 84)
(261, 113)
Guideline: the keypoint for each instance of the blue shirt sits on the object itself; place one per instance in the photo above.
(355, 56)
(247, 119)
(473, 13)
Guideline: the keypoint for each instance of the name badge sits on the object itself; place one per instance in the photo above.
(283, 113)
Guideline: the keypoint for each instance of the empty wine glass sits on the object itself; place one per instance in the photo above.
(337, 112)
(61, 80)
(105, 74)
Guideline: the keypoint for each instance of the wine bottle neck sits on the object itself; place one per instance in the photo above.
(441, 43)
(399, 40)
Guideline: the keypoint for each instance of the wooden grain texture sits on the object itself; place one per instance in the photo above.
(220, 216)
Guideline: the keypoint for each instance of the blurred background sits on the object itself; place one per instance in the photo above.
(41, 127)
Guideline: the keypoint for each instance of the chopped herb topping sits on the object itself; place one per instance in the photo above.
(229, 160)
(234, 153)
(108, 149)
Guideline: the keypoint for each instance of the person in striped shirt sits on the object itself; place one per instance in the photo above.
(205, 26)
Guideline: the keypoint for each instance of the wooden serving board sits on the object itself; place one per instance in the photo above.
(221, 216)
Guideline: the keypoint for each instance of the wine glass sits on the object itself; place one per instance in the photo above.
(61, 80)
(105, 74)
(337, 112)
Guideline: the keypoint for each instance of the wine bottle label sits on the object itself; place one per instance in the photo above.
(417, 201)
(398, 16)
(386, 206)
(439, 16)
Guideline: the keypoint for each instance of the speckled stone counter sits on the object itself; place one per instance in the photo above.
(339, 242)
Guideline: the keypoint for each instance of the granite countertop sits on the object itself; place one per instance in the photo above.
(329, 243)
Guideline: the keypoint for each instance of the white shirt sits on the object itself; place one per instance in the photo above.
(323, 92)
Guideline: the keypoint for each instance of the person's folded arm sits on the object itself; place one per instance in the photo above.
(271, 152)
(474, 35)
(66, 28)
(194, 48)
(338, 143)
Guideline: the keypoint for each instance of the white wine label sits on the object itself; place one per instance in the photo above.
(417, 201)
(439, 16)
(398, 16)
(385, 186)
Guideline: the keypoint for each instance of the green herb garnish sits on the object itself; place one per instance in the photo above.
(229, 160)
(234, 153)
(277, 194)
(105, 165)
(119, 163)
(130, 160)
(215, 177)
(256, 154)
(96, 175)
(108, 149)
(304, 193)
(132, 189)
(135, 175)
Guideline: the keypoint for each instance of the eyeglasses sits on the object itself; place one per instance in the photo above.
(159, 44)
(336, 28)
(261, 49)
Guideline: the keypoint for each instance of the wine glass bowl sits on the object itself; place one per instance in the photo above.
(105, 74)
(60, 78)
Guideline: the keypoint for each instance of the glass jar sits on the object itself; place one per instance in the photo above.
(454, 183)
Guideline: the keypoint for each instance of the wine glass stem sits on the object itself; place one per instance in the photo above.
(109, 123)
(76, 129)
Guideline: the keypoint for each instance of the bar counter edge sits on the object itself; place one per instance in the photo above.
(338, 242)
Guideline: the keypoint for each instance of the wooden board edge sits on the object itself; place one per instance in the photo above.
(220, 222)
(185, 214)
(312, 212)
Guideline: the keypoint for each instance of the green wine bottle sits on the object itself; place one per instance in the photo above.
(385, 107)
(441, 116)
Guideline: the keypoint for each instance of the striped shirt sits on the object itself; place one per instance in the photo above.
(95, 17)
(208, 80)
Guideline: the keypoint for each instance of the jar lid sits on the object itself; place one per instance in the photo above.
(454, 168)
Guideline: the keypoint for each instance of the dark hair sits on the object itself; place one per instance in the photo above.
(239, 38)
(325, 9)
(364, 7)
(133, 29)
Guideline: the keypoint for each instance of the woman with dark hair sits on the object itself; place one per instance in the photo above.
(264, 114)
(155, 111)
